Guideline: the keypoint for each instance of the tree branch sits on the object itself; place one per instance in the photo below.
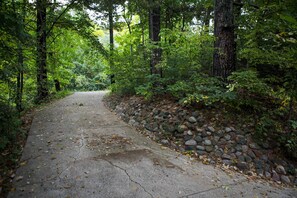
(61, 14)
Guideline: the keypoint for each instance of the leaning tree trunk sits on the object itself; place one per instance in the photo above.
(42, 89)
(224, 56)
(154, 34)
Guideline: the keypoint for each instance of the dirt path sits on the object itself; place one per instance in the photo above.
(77, 148)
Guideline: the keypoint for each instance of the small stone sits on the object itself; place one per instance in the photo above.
(242, 166)
(198, 139)
(218, 153)
(240, 139)
(189, 132)
(201, 152)
(216, 138)
(208, 133)
(188, 137)
(165, 142)
(258, 164)
(248, 158)
(228, 130)
(245, 148)
(208, 148)
(241, 158)
(131, 122)
(192, 119)
(227, 137)
(169, 128)
(200, 148)
(267, 174)
(226, 156)
(254, 146)
(207, 142)
(227, 162)
(220, 133)
(285, 179)
(251, 154)
(191, 143)
(238, 153)
(182, 128)
(280, 169)
(238, 148)
(204, 134)
(275, 176)
(211, 129)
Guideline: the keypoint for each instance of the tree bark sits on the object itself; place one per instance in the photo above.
(42, 89)
(224, 56)
(154, 34)
(20, 67)
(111, 40)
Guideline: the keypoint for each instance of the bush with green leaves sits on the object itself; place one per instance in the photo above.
(9, 124)
(155, 85)
(251, 91)
(200, 89)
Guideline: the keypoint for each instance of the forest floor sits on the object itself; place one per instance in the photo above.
(76, 147)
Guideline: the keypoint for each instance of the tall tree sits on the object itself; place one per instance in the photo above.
(42, 89)
(224, 54)
(154, 35)
(111, 37)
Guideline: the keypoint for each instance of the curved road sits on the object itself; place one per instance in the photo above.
(77, 148)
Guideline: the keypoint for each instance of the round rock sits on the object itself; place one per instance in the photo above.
(208, 148)
(228, 130)
(200, 148)
(192, 119)
(198, 139)
(207, 142)
(191, 143)
(280, 169)
(285, 179)
(182, 128)
(211, 129)
(242, 166)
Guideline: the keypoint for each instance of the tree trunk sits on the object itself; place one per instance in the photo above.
(237, 12)
(42, 89)
(111, 40)
(154, 34)
(224, 56)
(20, 80)
(57, 85)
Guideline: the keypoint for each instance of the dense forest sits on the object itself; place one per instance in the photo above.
(236, 53)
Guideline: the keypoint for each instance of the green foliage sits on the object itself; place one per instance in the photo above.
(9, 124)
(250, 90)
(200, 89)
(154, 86)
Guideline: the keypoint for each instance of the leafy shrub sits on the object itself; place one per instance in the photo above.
(251, 91)
(9, 124)
(201, 89)
(155, 85)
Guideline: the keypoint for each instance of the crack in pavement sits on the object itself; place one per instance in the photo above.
(125, 171)
(31, 158)
(211, 189)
